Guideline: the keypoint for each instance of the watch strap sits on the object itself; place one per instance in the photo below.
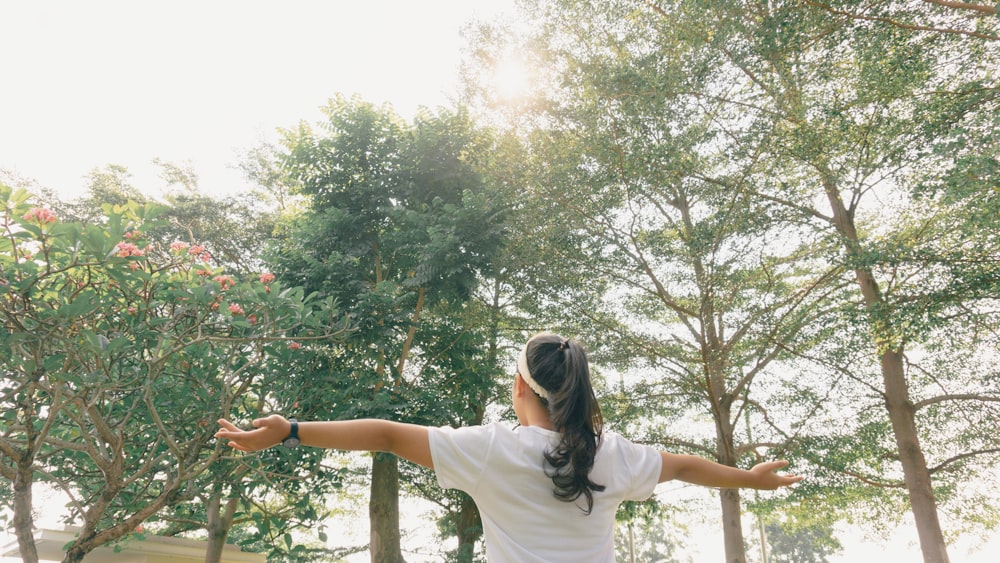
(292, 441)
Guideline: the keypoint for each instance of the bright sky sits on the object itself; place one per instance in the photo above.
(85, 84)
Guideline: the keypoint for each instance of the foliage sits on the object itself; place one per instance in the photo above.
(123, 353)
(699, 162)
(401, 228)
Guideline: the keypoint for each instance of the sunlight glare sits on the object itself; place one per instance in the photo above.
(511, 79)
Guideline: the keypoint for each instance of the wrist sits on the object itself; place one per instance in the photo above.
(291, 439)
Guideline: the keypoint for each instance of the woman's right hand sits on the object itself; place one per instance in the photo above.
(268, 432)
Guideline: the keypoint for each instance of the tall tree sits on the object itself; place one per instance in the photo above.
(678, 269)
(850, 108)
(399, 225)
(807, 120)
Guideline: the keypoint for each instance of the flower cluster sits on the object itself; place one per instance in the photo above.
(225, 281)
(126, 249)
(40, 215)
(199, 251)
(266, 278)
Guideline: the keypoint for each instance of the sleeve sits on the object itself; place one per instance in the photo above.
(460, 455)
(642, 468)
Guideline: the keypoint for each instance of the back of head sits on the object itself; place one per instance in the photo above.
(560, 366)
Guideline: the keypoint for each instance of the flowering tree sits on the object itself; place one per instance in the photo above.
(120, 356)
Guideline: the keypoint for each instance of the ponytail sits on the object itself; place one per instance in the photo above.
(560, 366)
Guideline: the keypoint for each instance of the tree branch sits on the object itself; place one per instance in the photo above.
(941, 466)
(955, 397)
(982, 9)
(912, 27)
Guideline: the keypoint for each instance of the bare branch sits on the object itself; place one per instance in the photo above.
(944, 464)
(981, 8)
(912, 27)
(955, 397)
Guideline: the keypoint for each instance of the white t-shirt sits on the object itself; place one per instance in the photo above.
(503, 470)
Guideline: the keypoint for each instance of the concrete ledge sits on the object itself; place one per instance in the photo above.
(153, 549)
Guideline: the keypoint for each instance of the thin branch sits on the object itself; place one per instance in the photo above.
(911, 27)
(941, 466)
(955, 397)
(981, 8)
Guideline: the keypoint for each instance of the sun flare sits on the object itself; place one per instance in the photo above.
(511, 78)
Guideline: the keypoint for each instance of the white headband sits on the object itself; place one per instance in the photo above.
(522, 368)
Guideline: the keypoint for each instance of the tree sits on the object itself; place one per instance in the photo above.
(807, 119)
(399, 229)
(811, 543)
(676, 267)
(847, 109)
(122, 355)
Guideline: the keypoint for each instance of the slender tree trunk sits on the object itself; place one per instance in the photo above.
(23, 521)
(732, 522)
(219, 523)
(383, 510)
(469, 529)
(732, 526)
(911, 456)
(897, 397)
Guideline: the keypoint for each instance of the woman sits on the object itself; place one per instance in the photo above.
(547, 490)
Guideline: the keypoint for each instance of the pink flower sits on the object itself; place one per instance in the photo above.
(205, 256)
(294, 345)
(266, 278)
(178, 246)
(133, 266)
(252, 319)
(225, 281)
(40, 215)
(235, 309)
(195, 249)
(126, 249)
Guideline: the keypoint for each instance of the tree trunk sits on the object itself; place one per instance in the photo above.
(732, 526)
(732, 522)
(911, 456)
(219, 523)
(470, 527)
(23, 521)
(889, 344)
(383, 510)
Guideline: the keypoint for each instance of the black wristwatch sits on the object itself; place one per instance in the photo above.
(292, 441)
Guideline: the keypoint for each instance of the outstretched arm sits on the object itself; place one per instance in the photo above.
(408, 441)
(700, 471)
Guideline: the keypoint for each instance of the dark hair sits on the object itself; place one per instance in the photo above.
(560, 366)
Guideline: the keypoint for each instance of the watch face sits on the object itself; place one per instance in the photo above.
(290, 442)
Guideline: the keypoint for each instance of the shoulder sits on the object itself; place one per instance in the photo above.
(621, 451)
(633, 468)
(475, 440)
(463, 431)
(613, 440)
(461, 454)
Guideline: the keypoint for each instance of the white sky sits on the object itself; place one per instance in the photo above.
(85, 84)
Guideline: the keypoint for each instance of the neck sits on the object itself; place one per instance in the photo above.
(537, 415)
